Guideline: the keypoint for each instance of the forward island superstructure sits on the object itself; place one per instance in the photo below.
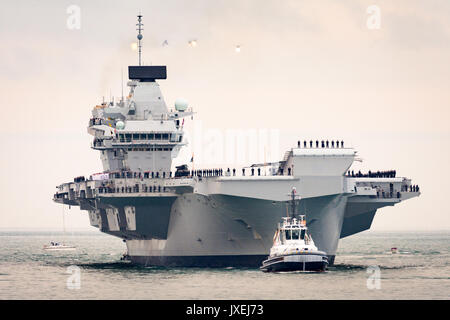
(212, 218)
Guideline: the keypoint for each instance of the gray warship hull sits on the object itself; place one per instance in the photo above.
(188, 227)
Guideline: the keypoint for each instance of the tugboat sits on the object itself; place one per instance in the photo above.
(293, 248)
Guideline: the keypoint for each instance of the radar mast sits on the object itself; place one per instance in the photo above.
(294, 202)
(140, 36)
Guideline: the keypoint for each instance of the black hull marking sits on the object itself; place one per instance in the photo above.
(246, 261)
(296, 266)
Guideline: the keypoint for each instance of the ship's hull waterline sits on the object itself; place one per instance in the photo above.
(305, 261)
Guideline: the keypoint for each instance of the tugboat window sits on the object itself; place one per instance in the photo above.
(288, 234)
(295, 234)
(302, 235)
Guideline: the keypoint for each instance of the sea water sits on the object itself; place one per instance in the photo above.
(364, 268)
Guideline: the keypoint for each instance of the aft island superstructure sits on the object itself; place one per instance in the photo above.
(213, 218)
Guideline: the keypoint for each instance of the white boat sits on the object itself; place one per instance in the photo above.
(56, 246)
(293, 248)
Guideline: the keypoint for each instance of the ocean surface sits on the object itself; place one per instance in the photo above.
(364, 268)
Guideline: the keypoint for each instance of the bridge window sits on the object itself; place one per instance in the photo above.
(158, 136)
(165, 136)
(287, 234)
(295, 234)
(143, 136)
(151, 136)
(135, 136)
(302, 234)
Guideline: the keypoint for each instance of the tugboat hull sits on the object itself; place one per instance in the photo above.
(296, 262)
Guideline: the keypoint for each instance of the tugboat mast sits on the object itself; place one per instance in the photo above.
(139, 36)
(293, 202)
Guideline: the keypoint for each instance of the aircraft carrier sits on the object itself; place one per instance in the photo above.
(213, 217)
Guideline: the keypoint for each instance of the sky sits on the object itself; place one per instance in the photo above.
(307, 69)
